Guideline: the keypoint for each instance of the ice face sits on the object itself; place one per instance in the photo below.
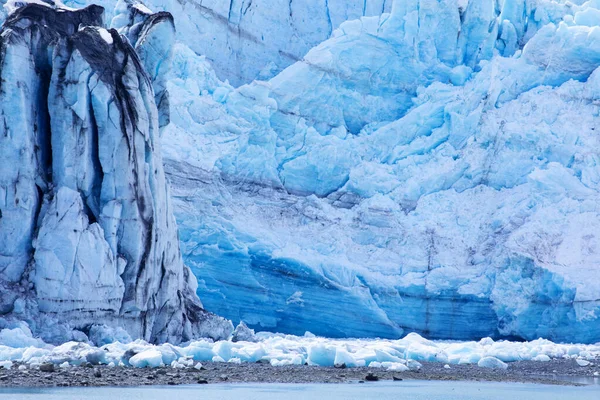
(399, 180)
(87, 231)
(418, 171)
(258, 38)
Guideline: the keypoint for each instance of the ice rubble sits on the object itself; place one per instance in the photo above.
(396, 355)
(399, 180)
(87, 234)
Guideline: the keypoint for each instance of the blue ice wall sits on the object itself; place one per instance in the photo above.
(432, 170)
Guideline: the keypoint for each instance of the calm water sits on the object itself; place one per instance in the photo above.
(379, 391)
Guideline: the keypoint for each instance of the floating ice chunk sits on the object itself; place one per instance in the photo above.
(199, 351)
(198, 366)
(169, 353)
(583, 363)
(322, 355)
(289, 361)
(342, 357)
(384, 356)
(574, 350)
(492, 362)
(249, 353)
(399, 367)
(424, 352)
(446, 366)
(413, 365)
(541, 357)
(151, 358)
(188, 362)
(472, 358)
(223, 350)
(217, 359)
(6, 364)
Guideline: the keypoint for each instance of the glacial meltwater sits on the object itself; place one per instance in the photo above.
(414, 390)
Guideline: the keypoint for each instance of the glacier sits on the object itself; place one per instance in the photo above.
(87, 234)
(249, 39)
(431, 170)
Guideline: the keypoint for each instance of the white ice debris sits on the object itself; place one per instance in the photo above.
(583, 363)
(413, 365)
(279, 350)
(492, 362)
(6, 364)
(542, 358)
(150, 358)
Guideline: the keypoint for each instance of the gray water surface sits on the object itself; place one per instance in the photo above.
(413, 390)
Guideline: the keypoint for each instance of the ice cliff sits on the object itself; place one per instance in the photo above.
(434, 170)
(249, 39)
(87, 233)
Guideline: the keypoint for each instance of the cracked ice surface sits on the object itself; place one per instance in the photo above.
(399, 180)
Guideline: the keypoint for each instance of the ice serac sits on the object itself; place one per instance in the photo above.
(249, 39)
(87, 232)
(418, 171)
(153, 37)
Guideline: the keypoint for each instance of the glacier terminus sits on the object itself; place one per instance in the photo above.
(355, 169)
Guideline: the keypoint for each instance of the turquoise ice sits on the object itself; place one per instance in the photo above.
(418, 171)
